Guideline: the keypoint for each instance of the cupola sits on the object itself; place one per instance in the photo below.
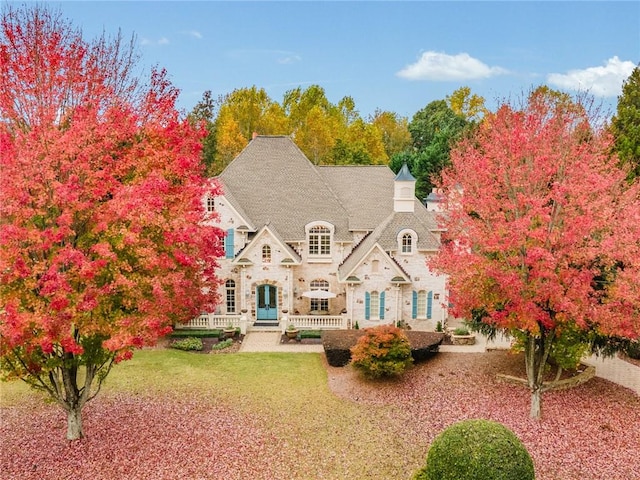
(404, 191)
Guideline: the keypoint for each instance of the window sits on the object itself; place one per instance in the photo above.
(266, 254)
(211, 203)
(374, 305)
(319, 241)
(422, 304)
(320, 304)
(230, 287)
(407, 243)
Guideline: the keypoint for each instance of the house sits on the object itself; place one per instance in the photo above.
(323, 246)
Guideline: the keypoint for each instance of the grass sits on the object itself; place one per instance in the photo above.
(281, 406)
(290, 395)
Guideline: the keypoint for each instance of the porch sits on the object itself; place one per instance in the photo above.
(210, 321)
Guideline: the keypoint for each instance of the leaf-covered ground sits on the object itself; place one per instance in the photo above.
(301, 426)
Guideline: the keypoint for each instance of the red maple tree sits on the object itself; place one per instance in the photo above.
(543, 234)
(104, 241)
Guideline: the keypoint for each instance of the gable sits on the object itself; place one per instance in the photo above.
(280, 252)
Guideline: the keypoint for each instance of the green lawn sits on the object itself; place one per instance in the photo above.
(289, 395)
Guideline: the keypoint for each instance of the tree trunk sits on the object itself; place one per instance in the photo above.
(536, 404)
(536, 353)
(74, 424)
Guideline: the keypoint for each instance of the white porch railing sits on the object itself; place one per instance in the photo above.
(211, 321)
(316, 322)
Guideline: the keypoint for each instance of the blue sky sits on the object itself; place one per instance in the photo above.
(396, 56)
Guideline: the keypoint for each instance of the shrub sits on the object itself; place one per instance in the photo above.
(310, 334)
(439, 326)
(478, 450)
(189, 343)
(196, 333)
(461, 331)
(633, 350)
(338, 344)
(223, 344)
(382, 352)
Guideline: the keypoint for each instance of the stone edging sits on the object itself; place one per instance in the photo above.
(588, 373)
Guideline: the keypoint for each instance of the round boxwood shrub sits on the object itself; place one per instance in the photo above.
(382, 351)
(478, 450)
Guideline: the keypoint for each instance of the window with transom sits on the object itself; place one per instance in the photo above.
(319, 304)
(266, 254)
(319, 241)
(211, 203)
(230, 287)
(407, 243)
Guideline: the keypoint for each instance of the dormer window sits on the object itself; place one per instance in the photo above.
(266, 254)
(319, 241)
(406, 242)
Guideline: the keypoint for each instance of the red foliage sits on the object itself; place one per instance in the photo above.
(103, 235)
(539, 213)
(542, 230)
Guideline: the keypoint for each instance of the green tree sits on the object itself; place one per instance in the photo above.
(433, 130)
(204, 112)
(625, 125)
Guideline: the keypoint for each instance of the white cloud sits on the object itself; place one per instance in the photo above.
(193, 33)
(148, 41)
(442, 67)
(602, 81)
(287, 58)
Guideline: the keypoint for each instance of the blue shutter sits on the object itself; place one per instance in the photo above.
(414, 305)
(228, 244)
(429, 303)
(367, 305)
(381, 305)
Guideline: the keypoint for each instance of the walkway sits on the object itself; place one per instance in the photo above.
(270, 342)
(612, 369)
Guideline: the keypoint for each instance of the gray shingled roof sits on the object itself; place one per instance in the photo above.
(272, 182)
(366, 192)
(275, 183)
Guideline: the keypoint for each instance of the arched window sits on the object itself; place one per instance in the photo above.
(319, 241)
(375, 266)
(407, 239)
(230, 287)
(266, 254)
(319, 304)
(407, 243)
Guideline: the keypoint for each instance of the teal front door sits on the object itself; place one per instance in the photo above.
(267, 298)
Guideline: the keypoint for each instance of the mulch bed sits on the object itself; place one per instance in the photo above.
(337, 345)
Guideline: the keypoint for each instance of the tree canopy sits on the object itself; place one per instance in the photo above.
(542, 234)
(327, 133)
(104, 243)
(626, 124)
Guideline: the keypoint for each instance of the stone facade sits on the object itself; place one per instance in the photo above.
(356, 232)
